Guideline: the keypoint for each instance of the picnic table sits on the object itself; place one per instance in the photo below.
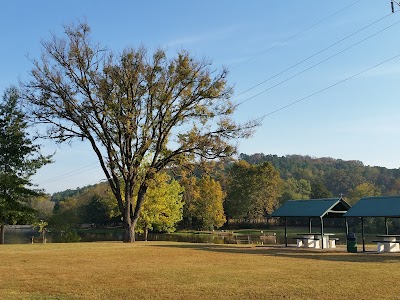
(388, 243)
(313, 240)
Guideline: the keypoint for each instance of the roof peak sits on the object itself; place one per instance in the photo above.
(322, 199)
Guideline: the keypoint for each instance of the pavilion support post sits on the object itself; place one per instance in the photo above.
(286, 239)
(363, 233)
(386, 226)
(309, 225)
(322, 233)
(347, 226)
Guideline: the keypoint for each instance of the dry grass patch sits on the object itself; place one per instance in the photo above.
(164, 270)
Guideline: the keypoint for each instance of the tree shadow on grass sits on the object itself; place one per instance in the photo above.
(339, 255)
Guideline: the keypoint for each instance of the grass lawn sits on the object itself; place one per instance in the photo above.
(165, 270)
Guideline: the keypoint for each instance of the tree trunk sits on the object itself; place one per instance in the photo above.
(129, 226)
(129, 231)
(146, 233)
(131, 215)
(2, 229)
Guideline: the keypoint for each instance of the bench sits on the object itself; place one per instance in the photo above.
(270, 237)
(312, 242)
(383, 241)
(393, 246)
(315, 242)
(332, 242)
(242, 239)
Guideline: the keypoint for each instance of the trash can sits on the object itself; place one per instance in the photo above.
(351, 242)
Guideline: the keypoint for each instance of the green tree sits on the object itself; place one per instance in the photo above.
(294, 189)
(65, 220)
(92, 204)
(163, 206)
(340, 181)
(363, 190)
(41, 228)
(43, 206)
(99, 210)
(140, 114)
(97, 205)
(319, 191)
(19, 160)
(66, 215)
(204, 199)
(253, 190)
(191, 197)
(394, 188)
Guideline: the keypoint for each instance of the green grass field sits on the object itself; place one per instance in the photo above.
(164, 270)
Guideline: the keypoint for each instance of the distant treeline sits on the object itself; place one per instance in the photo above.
(242, 190)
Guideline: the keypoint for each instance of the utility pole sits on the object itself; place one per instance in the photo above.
(392, 2)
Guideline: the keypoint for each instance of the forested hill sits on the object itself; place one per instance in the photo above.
(303, 177)
(351, 178)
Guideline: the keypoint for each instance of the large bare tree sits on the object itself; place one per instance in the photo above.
(140, 113)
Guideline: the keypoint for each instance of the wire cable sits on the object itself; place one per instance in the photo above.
(317, 64)
(329, 87)
(293, 36)
(311, 56)
(70, 174)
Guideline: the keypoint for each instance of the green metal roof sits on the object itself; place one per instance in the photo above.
(332, 207)
(387, 206)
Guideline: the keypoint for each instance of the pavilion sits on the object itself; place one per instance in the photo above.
(312, 208)
(385, 206)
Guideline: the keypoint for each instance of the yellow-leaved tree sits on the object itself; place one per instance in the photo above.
(204, 199)
(163, 205)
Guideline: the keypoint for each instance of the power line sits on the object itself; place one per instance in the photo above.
(71, 173)
(313, 66)
(311, 56)
(327, 88)
(293, 36)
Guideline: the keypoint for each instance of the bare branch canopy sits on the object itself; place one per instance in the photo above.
(141, 113)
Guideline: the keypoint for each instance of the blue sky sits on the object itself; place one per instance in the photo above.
(356, 120)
